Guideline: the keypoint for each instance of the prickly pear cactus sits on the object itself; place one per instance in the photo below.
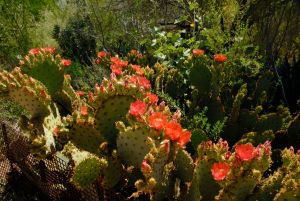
(45, 67)
(112, 102)
(200, 76)
(80, 130)
(132, 144)
(26, 91)
(203, 186)
(87, 167)
(239, 98)
(284, 183)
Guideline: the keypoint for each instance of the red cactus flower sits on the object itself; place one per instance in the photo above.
(152, 98)
(116, 69)
(133, 51)
(84, 110)
(220, 170)
(115, 60)
(138, 70)
(138, 108)
(91, 97)
(66, 62)
(101, 54)
(198, 52)
(184, 138)
(136, 53)
(144, 82)
(80, 93)
(157, 120)
(123, 63)
(51, 50)
(173, 130)
(245, 152)
(98, 61)
(220, 58)
(34, 51)
(145, 167)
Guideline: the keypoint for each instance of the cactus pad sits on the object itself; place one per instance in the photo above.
(29, 93)
(47, 69)
(87, 166)
(82, 133)
(200, 76)
(184, 165)
(112, 110)
(132, 146)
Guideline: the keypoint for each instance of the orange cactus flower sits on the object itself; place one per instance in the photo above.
(220, 170)
(220, 58)
(84, 110)
(34, 51)
(197, 52)
(157, 120)
(245, 152)
(152, 98)
(173, 130)
(138, 108)
(101, 54)
(66, 62)
(184, 138)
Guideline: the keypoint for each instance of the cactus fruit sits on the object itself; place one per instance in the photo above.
(87, 167)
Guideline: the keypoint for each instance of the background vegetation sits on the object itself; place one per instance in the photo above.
(256, 36)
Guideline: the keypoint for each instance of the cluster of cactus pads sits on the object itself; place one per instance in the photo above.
(121, 135)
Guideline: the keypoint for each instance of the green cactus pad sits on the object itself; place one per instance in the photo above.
(271, 121)
(29, 93)
(184, 165)
(203, 185)
(200, 76)
(269, 187)
(84, 136)
(87, 166)
(165, 188)
(112, 110)
(112, 174)
(132, 146)
(239, 98)
(240, 189)
(47, 69)
(67, 96)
